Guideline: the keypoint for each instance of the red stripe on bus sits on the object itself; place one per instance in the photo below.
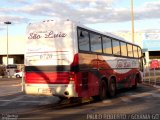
(47, 77)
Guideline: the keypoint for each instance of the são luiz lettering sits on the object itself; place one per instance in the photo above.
(49, 34)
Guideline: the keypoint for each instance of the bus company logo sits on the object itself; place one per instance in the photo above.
(46, 34)
(123, 64)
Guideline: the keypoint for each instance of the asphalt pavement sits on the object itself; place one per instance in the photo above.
(129, 103)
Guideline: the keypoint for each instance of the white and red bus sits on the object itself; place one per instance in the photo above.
(67, 59)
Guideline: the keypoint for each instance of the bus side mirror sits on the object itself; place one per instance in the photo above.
(144, 59)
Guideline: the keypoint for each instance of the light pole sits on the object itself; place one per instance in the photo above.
(7, 23)
(132, 15)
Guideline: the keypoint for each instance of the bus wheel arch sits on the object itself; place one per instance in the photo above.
(105, 79)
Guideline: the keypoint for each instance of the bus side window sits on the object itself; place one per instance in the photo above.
(96, 45)
(83, 40)
(139, 52)
(107, 45)
(116, 47)
(123, 49)
(130, 50)
(135, 51)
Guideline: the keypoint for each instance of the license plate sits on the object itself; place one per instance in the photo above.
(44, 90)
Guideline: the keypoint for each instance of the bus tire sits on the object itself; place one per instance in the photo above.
(102, 91)
(112, 88)
(135, 84)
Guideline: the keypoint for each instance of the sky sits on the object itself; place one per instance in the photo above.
(102, 15)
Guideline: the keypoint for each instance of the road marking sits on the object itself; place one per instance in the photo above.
(12, 85)
(12, 100)
(126, 99)
(37, 118)
(19, 101)
(16, 85)
(10, 93)
(140, 95)
(107, 101)
(5, 100)
(129, 98)
(156, 95)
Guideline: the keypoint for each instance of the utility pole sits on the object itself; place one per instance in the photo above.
(132, 16)
(7, 23)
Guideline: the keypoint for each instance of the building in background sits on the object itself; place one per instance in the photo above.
(151, 43)
(16, 50)
(148, 40)
(138, 36)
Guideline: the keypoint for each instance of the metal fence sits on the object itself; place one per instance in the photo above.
(151, 76)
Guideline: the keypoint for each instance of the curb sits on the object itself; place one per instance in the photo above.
(12, 93)
(7, 77)
(155, 86)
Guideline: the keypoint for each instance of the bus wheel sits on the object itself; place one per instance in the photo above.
(135, 84)
(112, 88)
(102, 91)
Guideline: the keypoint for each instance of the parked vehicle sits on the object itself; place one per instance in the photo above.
(11, 69)
(154, 64)
(18, 74)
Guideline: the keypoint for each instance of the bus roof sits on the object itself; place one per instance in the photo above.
(105, 33)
